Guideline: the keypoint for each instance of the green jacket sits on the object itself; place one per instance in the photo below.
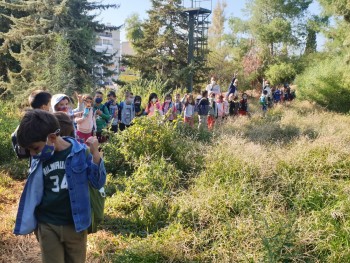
(101, 120)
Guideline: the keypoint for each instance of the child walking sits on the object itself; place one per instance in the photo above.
(243, 105)
(221, 108)
(153, 105)
(169, 109)
(127, 113)
(55, 201)
(87, 122)
(189, 109)
(264, 102)
(139, 111)
(213, 111)
(203, 109)
(102, 116)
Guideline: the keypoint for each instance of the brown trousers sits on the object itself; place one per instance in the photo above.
(61, 244)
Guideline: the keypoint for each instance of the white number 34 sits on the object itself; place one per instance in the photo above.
(56, 182)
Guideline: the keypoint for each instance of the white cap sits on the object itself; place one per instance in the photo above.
(198, 97)
(56, 99)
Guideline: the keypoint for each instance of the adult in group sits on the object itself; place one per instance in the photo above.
(233, 88)
(213, 86)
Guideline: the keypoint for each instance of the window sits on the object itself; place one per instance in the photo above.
(107, 42)
(99, 42)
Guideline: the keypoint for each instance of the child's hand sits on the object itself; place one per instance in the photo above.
(78, 114)
(79, 97)
(92, 142)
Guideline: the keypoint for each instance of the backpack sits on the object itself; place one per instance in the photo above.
(212, 108)
(179, 107)
(97, 203)
(203, 109)
(21, 153)
(128, 114)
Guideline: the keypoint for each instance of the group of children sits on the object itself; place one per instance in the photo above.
(271, 96)
(65, 158)
(56, 201)
(92, 115)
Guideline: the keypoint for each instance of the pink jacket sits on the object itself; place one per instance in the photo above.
(86, 124)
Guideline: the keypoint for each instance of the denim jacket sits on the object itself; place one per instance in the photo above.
(80, 170)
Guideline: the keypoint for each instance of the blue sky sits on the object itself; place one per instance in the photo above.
(127, 7)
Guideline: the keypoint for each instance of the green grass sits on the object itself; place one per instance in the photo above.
(266, 190)
(271, 189)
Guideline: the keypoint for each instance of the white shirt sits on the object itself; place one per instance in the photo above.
(213, 88)
(268, 89)
(189, 111)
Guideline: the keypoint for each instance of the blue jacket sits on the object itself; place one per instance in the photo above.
(80, 170)
(232, 88)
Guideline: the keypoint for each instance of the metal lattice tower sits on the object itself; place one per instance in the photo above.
(198, 12)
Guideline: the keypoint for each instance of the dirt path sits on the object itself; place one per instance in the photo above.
(18, 249)
(14, 249)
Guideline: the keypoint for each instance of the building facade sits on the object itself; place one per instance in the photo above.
(109, 42)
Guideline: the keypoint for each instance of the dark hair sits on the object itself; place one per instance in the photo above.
(265, 92)
(152, 96)
(190, 96)
(66, 124)
(87, 97)
(137, 98)
(35, 126)
(111, 93)
(39, 98)
(204, 93)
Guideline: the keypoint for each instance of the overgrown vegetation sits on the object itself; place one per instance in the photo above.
(271, 190)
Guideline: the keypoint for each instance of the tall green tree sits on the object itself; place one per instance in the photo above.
(161, 48)
(161, 44)
(271, 34)
(220, 60)
(47, 25)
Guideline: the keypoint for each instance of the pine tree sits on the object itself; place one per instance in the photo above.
(47, 25)
(163, 45)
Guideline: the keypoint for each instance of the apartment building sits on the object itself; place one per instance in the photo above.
(109, 41)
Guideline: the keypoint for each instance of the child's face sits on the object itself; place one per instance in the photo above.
(98, 98)
(62, 105)
(167, 99)
(177, 96)
(88, 103)
(36, 147)
(111, 98)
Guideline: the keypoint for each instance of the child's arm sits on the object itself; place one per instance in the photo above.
(105, 114)
(96, 168)
(79, 120)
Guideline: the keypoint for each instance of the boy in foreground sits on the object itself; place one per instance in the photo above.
(55, 202)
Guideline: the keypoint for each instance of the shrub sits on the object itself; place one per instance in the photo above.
(326, 82)
(281, 73)
(151, 137)
(8, 122)
(146, 194)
